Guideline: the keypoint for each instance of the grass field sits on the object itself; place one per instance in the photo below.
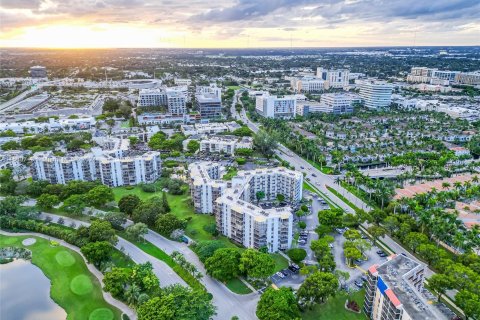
(73, 287)
(233, 87)
(237, 286)
(334, 308)
(182, 208)
(280, 262)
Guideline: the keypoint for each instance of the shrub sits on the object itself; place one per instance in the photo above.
(297, 254)
(302, 224)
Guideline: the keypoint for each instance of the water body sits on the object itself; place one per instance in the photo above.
(25, 293)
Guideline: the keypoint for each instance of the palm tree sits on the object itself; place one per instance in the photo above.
(132, 294)
(446, 185)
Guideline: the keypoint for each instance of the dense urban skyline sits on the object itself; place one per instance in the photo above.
(242, 23)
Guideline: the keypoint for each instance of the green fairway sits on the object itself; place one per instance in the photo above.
(334, 308)
(73, 287)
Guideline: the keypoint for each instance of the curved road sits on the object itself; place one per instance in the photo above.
(228, 303)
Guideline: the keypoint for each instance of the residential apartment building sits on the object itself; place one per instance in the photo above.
(225, 144)
(335, 78)
(205, 185)
(276, 107)
(249, 224)
(113, 168)
(375, 94)
(209, 106)
(175, 100)
(393, 291)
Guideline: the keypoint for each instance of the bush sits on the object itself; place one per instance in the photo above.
(302, 224)
(69, 236)
(297, 254)
(241, 161)
(149, 187)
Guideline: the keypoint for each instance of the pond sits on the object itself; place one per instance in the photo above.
(25, 293)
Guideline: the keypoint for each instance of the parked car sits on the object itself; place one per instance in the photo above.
(284, 272)
(330, 245)
(314, 175)
(380, 251)
(358, 283)
(364, 278)
(294, 268)
(279, 274)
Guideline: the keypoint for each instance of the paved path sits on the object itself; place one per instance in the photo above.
(107, 296)
(228, 303)
(164, 273)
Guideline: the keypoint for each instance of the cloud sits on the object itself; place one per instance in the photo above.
(20, 4)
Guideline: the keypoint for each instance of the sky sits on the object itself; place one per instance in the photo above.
(237, 23)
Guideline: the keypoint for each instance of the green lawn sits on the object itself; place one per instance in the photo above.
(181, 207)
(73, 287)
(324, 169)
(233, 87)
(334, 308)
(237, 286)
(280, 261)
(232, 172)
(341, 197)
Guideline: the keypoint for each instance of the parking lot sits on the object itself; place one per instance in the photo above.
(361, 265)
(288, 278)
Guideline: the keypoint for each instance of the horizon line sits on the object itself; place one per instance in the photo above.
(246, 48)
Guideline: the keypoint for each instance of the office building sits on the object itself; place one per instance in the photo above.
(375, 94)
(276, 107)
(431, 76)
(209, 128)
(205, 185)
(241, 218)
(337, 103)
(182, 82)
(393, 291)
(211, 89)
(334, 78)
(308, 84)
(469, 78)
(209, 106)
(225, 144)
(38, 72)
(112, 168)
(53, 125)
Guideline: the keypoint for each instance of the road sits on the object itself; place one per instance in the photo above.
(228, 303)
(164, 273)
(321, 181)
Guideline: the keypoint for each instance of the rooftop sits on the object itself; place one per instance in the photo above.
(401, 292)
